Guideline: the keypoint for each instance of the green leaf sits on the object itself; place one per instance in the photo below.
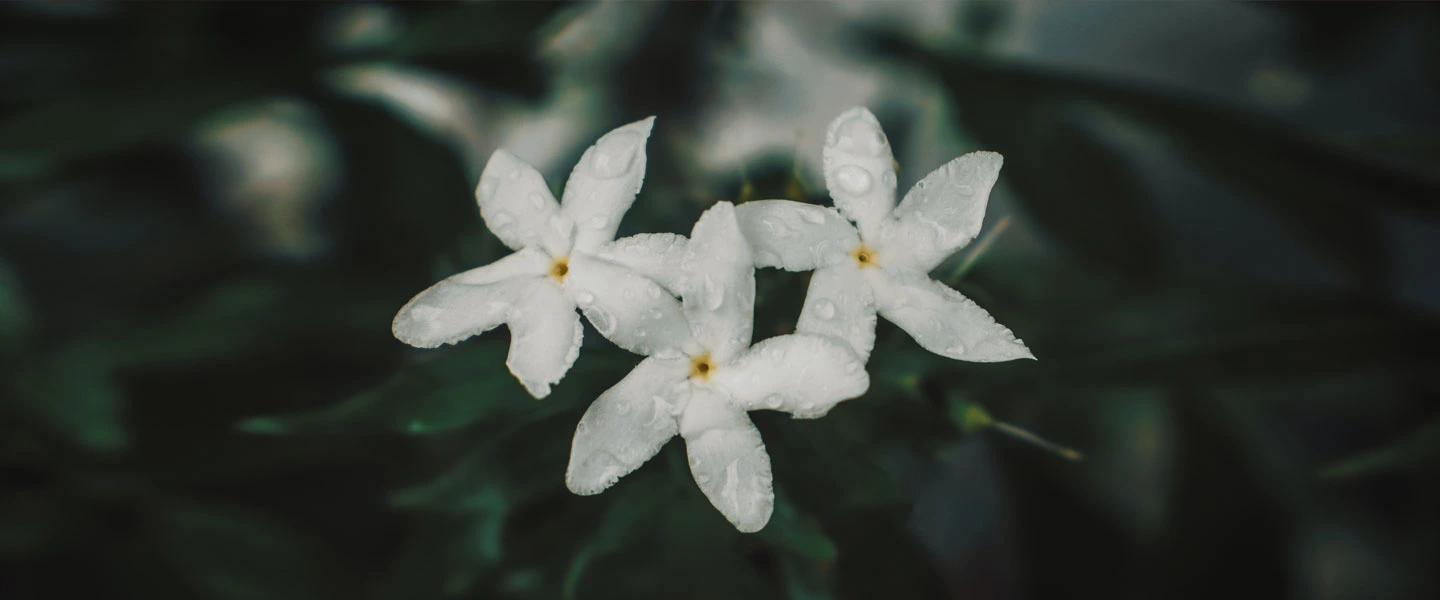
(444, 392)
(1323, 189)
(236, 556)
(15, 313)
(73, 392)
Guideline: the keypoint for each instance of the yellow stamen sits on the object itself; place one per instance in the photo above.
(864, 256)
(700, 366)
(560, 269)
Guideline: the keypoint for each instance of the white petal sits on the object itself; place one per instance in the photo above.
(941, 320)
(604, 183)
(519, 208)
(942, 213)
(626, 307)
(468, 303)
(795, 236)
(839, 304)
(720, 284)
(625, 426)
(859, 169)
(728, 459)
(659, 256)
(804, 375)
(544, 338)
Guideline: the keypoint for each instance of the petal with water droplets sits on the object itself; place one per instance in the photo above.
(605, 182)
(859, 168)
(626, 307)
(804, 375)
(728, 459)
(719, 289)
(795, 236)
(545, 337)
(941, 319)
(943, 212)
(518, 207)
(659, 256)
(468, 303)
(625, 426)
(839, 304)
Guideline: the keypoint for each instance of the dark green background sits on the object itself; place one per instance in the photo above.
(184, 416)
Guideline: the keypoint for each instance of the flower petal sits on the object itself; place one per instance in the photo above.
(625, 426)
(659, 256)
(720, 284)
(795, 236)
(626, 307)
(859, 169)
(604, 183)
(519, 208)
(468, 303)
(544, 338)
(839, 304)
(804, 375)
(728, 459)
(941, 320)
(942, 213)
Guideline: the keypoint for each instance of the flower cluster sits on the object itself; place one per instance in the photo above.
(687, 304)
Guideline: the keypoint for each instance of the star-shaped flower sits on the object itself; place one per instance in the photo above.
(564, 257)
(881, 263)
(702, 387)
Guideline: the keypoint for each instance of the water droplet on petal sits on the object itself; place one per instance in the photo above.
(516, 173)
(774, 401)
(601, 320)
(500, 221)
(581, 428)
(813, 216)
(614, 154)
(714, 294)
(584, 298)
(853, 180)
(956, 349)
(536, 200)
(852, 367)
(597, 222)
(825, 309)
(487, 188)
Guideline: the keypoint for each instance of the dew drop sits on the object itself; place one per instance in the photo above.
(601, 320)
(774, 401)
(581, 428)
(714, 293)
(813, 216)
(584, 298)
(702, 479)
(852, 367)
(597, 222)
(956, 349)
(501, 221)
(487, 188)
(853, 180)
(516, 173)
(536, 200)
(614, 154)
(825, 309)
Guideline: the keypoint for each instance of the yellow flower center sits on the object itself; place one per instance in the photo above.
(560, 269)
(864, 256)
(700, 366)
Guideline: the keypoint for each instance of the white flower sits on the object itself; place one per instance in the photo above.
(881, 263)
(702, 387)
(564, 258)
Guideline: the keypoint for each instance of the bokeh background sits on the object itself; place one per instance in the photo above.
(1217, 227)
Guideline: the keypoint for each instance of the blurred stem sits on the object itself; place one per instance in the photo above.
(979, 249)
(1025, 436)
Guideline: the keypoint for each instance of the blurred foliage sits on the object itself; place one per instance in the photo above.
(184, 416)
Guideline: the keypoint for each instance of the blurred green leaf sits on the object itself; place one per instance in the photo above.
(1418, 450)
(455, 388)
(632, 501)
(15, 314)
(1325, 191)
(74, 393)
(235, 556)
